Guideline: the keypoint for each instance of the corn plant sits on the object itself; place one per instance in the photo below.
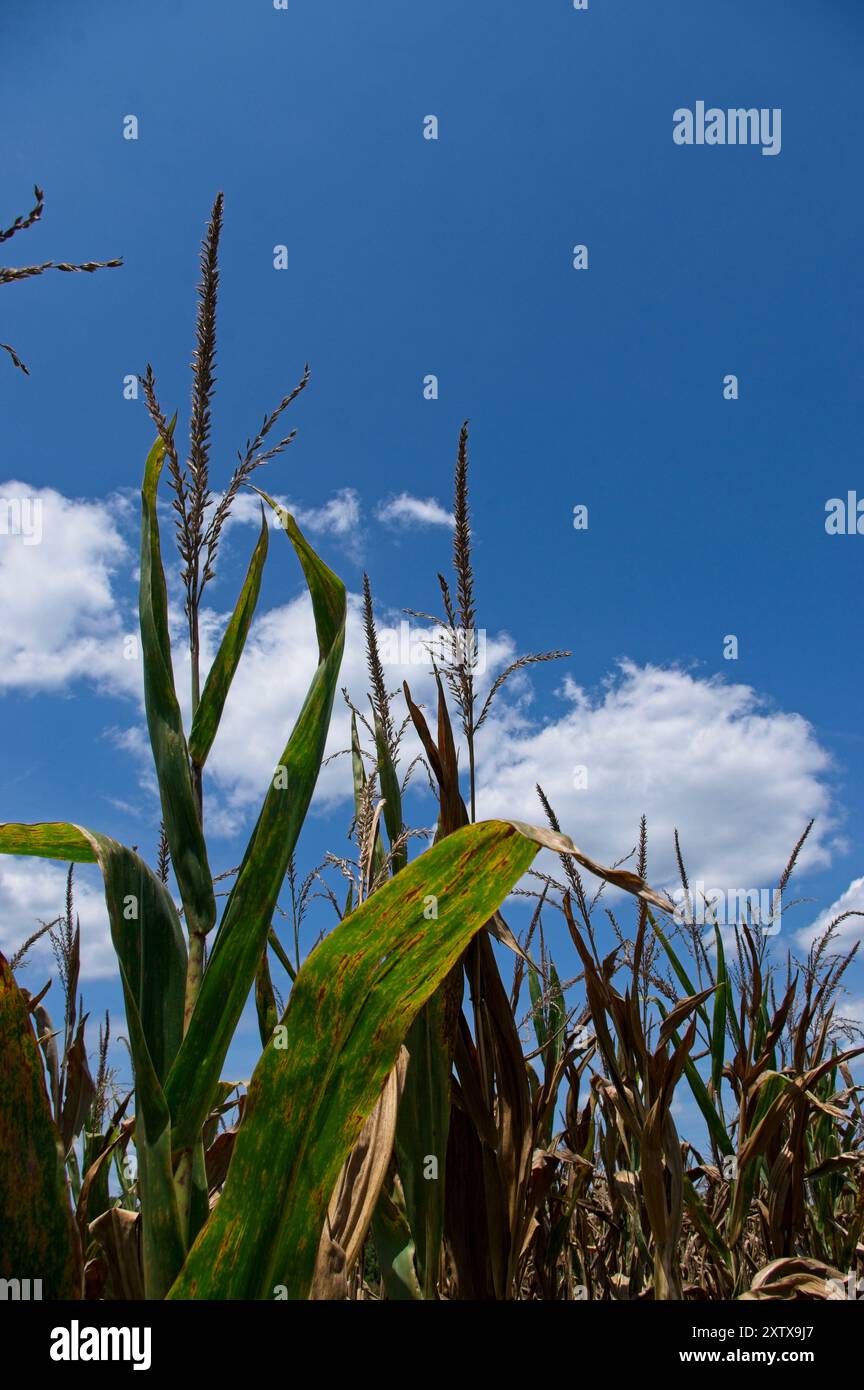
(327, 1067)
(403, 1136)
(613, 1204)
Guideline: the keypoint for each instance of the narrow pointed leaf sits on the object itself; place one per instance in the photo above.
(164, 721)
(265, 1000)
(162, 1245)
(538, 1019)
(557, 1013)
(701, 1096)
(390, 790)
(423, 1123)
(218, 683)
(675, 962)
(246, 921)
(394, 1247)
(718, 1030)
(79, 1089)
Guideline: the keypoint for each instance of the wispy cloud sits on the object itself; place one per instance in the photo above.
(406, 510)
(849, 930)
(338, 516)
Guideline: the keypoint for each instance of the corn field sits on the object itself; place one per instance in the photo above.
(434, 1114)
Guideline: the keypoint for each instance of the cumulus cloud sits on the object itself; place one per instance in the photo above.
(65, 572)
(406, 510)
(57, 589)
(849, 930)
(738, 778)
(271, 683)
(34, 891)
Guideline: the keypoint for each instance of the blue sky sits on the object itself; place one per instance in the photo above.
(601, 387)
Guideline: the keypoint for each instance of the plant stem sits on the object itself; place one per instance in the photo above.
(194, 975)
(469, 735)
(471, 771)
(195, 966)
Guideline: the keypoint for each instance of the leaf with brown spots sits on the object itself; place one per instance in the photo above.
(40, 1240)
(308, 1099)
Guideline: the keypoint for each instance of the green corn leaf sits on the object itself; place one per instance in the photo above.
(538, 1017)
(394, 1247)
(349, 1012)
(279, 952)
(424, 1111)
(422, 1126)
(557, 1013)
(164, 721)
(199, 1203)
(703, 1100)
(319, 1078)
(358, 771)
(145, 928)
(246, 921)
(48, 840)
(699, 1213)
(218, 683)
(718, 1032)
(162, 1245)
(423, 1122)
(390, 790)
(265, 1000)
(151, 953)
(679, 970)
(39, 1239)
(760, 1032)
(700, 1094)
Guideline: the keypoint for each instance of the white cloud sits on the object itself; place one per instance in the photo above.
(34, 891)
(278, 662)
(338, 516)
(738, 778)
(406, 510)
(62, 619)
(853, 1010)
(65, 586)
(852, 929)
